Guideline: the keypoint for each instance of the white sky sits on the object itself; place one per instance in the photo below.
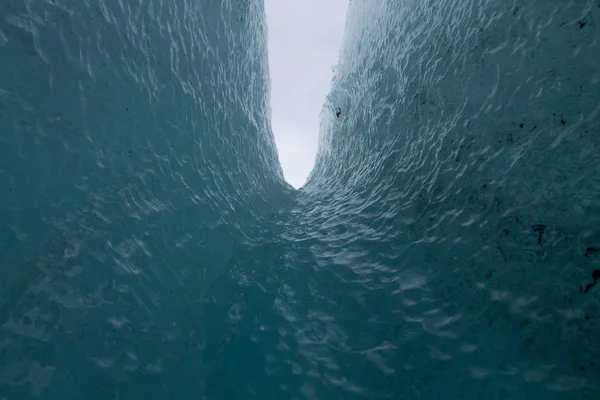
(304, 41)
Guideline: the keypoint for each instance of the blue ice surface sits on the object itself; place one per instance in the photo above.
(444, 246)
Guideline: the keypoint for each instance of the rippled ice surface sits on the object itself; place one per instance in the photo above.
(445, 246)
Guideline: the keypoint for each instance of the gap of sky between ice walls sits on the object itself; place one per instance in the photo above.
(304, 39)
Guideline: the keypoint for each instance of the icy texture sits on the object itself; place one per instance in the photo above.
(444, 246)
